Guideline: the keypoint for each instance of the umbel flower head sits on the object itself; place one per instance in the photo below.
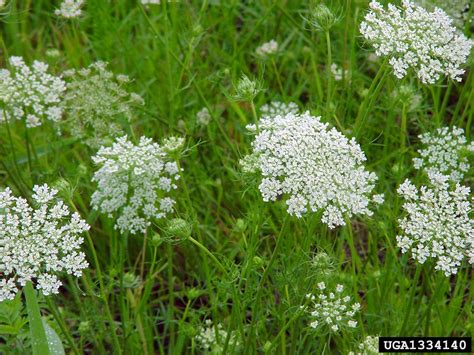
(458, 10)
(331, 309)
(70, 8)
(443, 152)
(278, 108)
(134, 182)
(246, 89)
(38, 241)
(212, 338)
(96, 102)
(413, 38)
(370, 346)
(314, 167)
(267, 49)
(30, 93)
(436, 224)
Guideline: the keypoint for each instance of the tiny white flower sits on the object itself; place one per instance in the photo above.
(332, 310)
(70, 8)
(267, 49)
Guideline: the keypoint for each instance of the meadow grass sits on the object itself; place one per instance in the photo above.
(247, 265)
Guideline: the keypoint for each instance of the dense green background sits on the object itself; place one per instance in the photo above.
(183, 57)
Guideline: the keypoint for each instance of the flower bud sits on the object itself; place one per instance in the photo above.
(321, 17)
(178, 229)
(246, 89)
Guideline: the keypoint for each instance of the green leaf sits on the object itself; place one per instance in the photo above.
(54, 342)
(39, 342)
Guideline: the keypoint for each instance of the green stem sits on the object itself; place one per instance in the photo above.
(329, 73)
(371, 96)
(411, 300)
(277, 74)
(39, 342)
(403, 128)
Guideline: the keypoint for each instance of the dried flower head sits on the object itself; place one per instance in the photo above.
(95, 103)
(436, 224)
(30, 93)
(412, 37)
(278, 108)
(212, 338)
(134, 182)
(443, 152)
(315, 167)
(331, 309)
(38, 241)
(70, 8)
(267, 49)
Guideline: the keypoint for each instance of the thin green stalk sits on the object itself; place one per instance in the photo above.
(39, 342)
(410, 301)
(371, 96)
(329, 73)
(403, 128)
(277, 74)
(62, 324)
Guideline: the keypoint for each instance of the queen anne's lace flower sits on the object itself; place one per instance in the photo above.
(95, 101)
(331, 309)
(133, 182)
(278, 108)
(443, 153)
(437, 223)
(213, 338)
(267, 49)
(30, 93)
(203, 117)
(315, 167)
(370, 346)
(70, 8)
(38, 241)
(338, 72)
(458, 10)
(414, 38)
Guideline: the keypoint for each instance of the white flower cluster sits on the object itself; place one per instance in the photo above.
(414, 38)
(370, 346)
(458, 10)
(437, 223)
(2, 3)
(133, 181)
(213, 338)
(30, 93)
(316, 167)
(95, 101)
(332, 309)
(338, 72)
(278, 108)
(267, 49)
(203, 117)
(70, 8)
(442, 153)
(37, 242)
(151, 2)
